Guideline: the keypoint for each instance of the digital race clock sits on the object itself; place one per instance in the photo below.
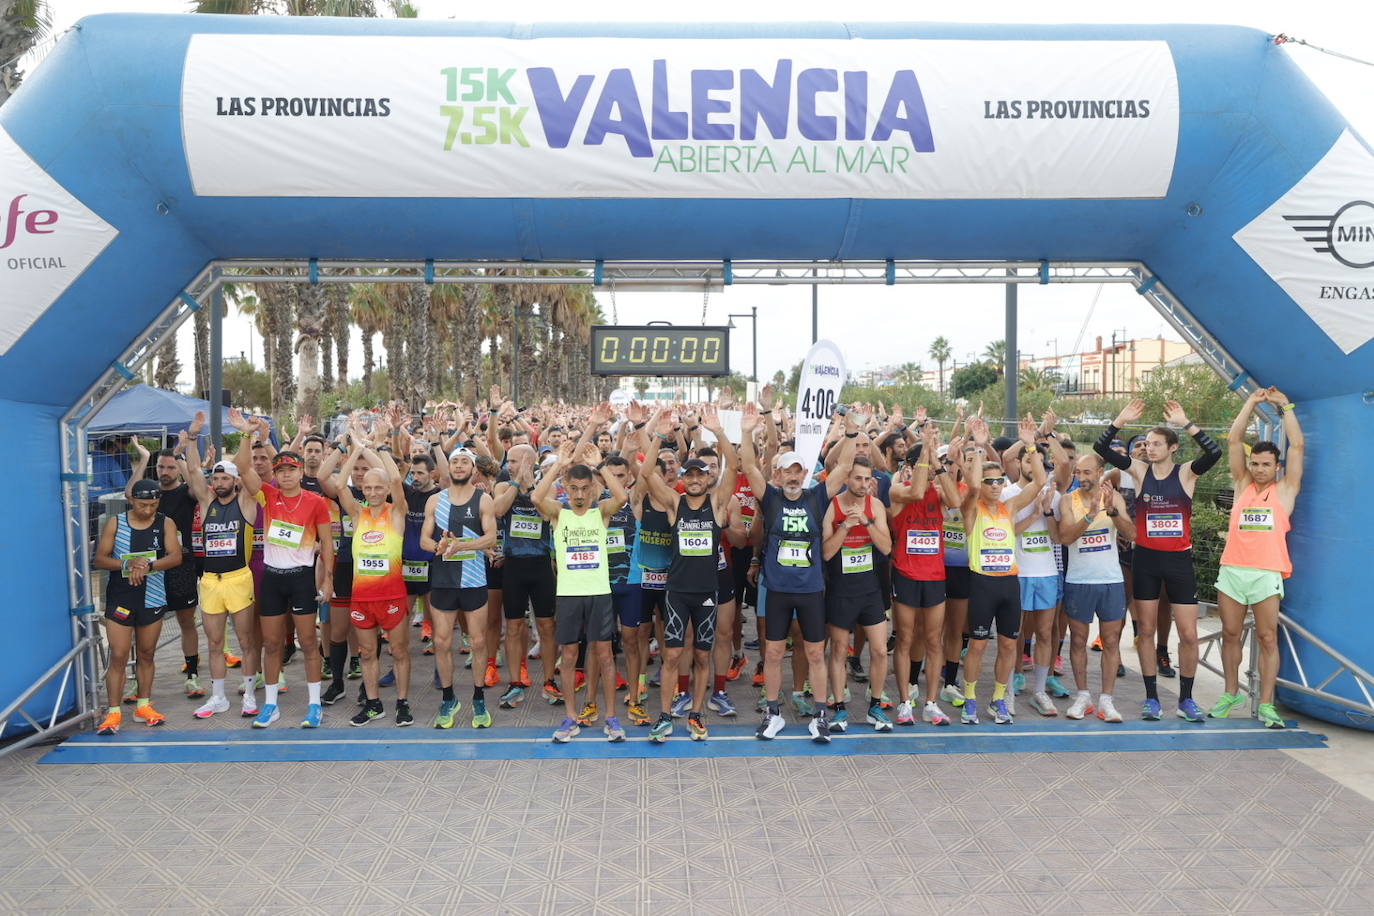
(660, 349)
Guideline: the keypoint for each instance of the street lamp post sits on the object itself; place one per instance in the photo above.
(752, 315)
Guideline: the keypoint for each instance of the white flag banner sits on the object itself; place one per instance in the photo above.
(822, 376)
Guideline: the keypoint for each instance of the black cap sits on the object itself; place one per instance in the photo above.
(695, 464)
(1002, 443)
(146, 489)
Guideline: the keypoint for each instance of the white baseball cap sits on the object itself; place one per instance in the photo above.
(787, 459)
(467, 453)
(225, 467)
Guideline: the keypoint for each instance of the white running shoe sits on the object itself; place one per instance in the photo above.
(934, 714)
(952, 694)
(1106, 709)
(1041, 703)
(212, 706)
(250, 708)
(1081, 706)
(904, 716)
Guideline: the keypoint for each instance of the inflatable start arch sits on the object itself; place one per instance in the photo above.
(148, 149)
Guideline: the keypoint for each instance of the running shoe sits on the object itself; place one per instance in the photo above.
(969, 714)
(512, 697)
(856, 670)
(913, 694)
(1054, 688)
(1018, 682)
(1189, 711)
(1106, 709)
(566, 731)
(737, 663)
(288, 652)
(770, 727)
(801, 705)
(1224, 704)
(447, 710)
(653, 647)
(1120, 670)
(281, 682)
(258, 681)
(1000, 714)
(819, 729)
(614, 733)
(696, 728)
(1150, 710)
(333, 693)
(314, 714)
(589, 714)
(1096, 644)
(417, 618)
(904, 715)
(388, 679)
(231, 660)
(110, 724)
(636, 714)
(656, 679)
(267, 715)
(579, 681)
(183, 664)
(131, 689)
(1269, 716)
(1041, 703)
(193, 688)
(934, 714)
(534, 651)
(552, 694)
(404, 716)
(750, 645)
(524, 679)
(212, 706)
(249, 708)
(480, 717)
(883, 701)
(1057, 669)
(1162, 660)
(465, 647)
(953, 694)
(148, 715)
(757, 680)
(720, 704)
(355, 668)
(326, 670)
(839, 721)
(500, 658)
(878, 719)
(620, 682)
(426, 645)
(1081, 706)
(467, 662)
(762, 702)
(362, 694)
(491, 677)
(681, 703)
(1027, 663)
(661, 730)
(373, 709)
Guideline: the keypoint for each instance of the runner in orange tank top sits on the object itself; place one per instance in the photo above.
(1255, 561)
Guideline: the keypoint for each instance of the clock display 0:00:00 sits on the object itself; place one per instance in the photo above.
(659, 350)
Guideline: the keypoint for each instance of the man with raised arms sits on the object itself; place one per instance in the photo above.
(580, 544)
(378, 599)
(296, 522)
(1255, 561)
(527, 574)
(460, 523)
(1163, 555)
(791, 517)
(226, 582)
(1093, 516)
(697, 519)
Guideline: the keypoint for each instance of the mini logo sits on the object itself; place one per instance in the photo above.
(994, 534)
(1347, 235)
(358, 616)
(373, 537)
(826, 370)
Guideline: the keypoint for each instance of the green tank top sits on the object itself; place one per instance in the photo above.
(579, 543)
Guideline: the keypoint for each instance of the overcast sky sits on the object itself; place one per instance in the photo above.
(1053, 318)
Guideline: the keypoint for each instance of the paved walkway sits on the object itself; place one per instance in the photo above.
(1250, 831)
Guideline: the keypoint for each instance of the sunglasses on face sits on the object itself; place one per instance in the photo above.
(994, 481)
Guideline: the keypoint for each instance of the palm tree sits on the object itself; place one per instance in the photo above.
(370, 313)
(996, 354)
(940, 351)
(310, 304)
(909, 373)
(168, 364)
(1033, 379)
(336, 328)
(23, 24)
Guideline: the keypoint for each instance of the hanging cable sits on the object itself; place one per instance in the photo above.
(1282, 39)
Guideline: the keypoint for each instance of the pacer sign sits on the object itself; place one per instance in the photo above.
(327, 116)
(818, 390)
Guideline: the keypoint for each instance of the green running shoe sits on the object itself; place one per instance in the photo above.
(480, 717)
(1224, 704)
(447, 710)
(1269, 716)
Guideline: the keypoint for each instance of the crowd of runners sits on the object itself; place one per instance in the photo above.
(620, 550)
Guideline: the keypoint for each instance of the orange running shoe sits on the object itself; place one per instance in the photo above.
(110, 724)
(492, 677)
(758, 675)
(579, 681)
(426, 630)
(620, 682)
(149, 715)
(231, 660)
(736, 668)
(1096, 644)
(524, 676)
